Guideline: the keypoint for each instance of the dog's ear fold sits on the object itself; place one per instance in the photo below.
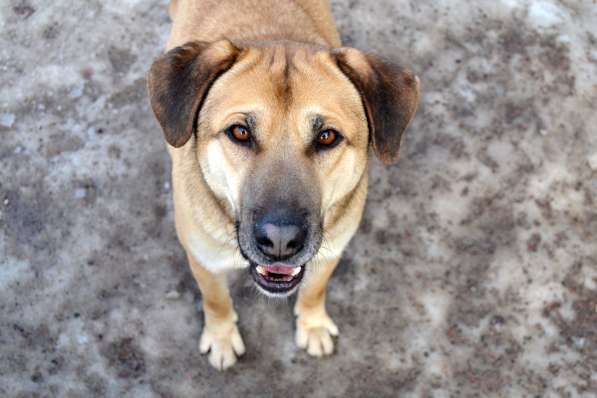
(179, 80)
(389, 93)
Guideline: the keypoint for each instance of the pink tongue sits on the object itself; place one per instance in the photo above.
(279, 269)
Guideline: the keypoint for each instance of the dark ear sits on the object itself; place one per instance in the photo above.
(390, 95)
(179, 80)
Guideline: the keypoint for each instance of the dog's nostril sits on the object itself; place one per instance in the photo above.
(293, 244)
(264, 241)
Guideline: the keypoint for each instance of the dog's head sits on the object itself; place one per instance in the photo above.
(281, 135)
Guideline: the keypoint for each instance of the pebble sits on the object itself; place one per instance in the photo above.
(7, 119)
(172, 295)
(593, 162)
(80, 193)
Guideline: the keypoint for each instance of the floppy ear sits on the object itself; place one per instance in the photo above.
(179, 80)
(390, 95)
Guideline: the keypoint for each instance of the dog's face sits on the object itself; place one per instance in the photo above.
(281, 136)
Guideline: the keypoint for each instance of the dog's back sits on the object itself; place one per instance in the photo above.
(308, 21)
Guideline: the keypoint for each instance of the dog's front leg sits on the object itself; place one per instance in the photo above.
(220, 334)
(314, 327)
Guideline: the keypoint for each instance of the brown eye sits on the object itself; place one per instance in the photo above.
(328, 139)
(239, 134)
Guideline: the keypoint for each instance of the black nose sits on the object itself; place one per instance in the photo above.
(280, 235)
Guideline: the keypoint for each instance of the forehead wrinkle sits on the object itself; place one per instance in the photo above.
(277, 61)
(278, 68)
(302, 61)
(247, 61)
(285, 82)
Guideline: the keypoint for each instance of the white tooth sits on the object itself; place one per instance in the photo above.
(296, 271)
(261, 270)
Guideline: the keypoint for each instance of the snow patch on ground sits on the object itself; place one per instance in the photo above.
(546, 14)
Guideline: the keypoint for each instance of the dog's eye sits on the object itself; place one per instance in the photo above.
(328, 139)
(239, 134)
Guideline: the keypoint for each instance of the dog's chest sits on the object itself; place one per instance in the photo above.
(214, 257)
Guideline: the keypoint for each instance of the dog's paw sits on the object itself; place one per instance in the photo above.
(314, 331)
(223, 343)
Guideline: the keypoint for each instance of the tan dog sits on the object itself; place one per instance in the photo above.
(268, 121)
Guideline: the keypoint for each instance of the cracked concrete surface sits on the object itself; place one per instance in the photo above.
(474, 273)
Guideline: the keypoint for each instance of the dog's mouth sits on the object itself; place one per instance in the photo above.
(277, 279)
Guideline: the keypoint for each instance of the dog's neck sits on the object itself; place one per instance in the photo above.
(263, 22)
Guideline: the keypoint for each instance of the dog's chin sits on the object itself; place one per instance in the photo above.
(278, 279)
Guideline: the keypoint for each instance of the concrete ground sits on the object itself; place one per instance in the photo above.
(474, 273)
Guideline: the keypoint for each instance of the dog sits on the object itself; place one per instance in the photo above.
(268, 121)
